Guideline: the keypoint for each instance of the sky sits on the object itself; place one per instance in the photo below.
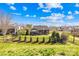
(50, 14)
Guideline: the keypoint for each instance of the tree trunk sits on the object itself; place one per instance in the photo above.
(4, 36)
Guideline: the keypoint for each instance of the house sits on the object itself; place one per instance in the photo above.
(65, 28)
(75, 31)
(39, 30)
(11, 30)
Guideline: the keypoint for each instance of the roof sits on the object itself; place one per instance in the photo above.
(40, 28)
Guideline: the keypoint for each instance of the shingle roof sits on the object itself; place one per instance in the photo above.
(40, 27)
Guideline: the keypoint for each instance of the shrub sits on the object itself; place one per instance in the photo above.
(37, 39)
(27, 32)
(55, 37)
(48, 40)
(21, 32)
(64, 38)
(31, 39)
(43, 40)
(25, 39)
(19, 40)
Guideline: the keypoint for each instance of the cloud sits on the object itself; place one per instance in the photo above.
(46, 7)
(41, 5)
(27, 15)
(24, 8)
(34, 15)
(55, 17)
(70, 17)
(12, 7)
(76, 12)
(69, 12)
(30, 15)
(46, 11)
(72, 23)
(54, 5)
(77, 5)
(10, 4)
(50, 5)
(16, 13)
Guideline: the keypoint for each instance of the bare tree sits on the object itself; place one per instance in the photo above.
(5, 22)
(74, 33)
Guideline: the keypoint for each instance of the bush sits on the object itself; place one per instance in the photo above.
(43, 40)
(55, 37)
(48, 40)
(27, 32)
(21, 32)
(25, 39)
(19, 40)
(37, 39)
(64, 38)
(31, 39)
(58, 37)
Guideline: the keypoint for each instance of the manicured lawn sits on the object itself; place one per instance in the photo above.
(28, 49)
(35, 37)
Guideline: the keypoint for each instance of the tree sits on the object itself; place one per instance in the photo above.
(53, 37)
(64, 38)
(29, 27)
(5, 22)
(37, 39)
(58, 37)
(74, 33)
(27, 32)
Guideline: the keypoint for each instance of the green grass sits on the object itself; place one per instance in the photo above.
(35, 37)
(27, 49)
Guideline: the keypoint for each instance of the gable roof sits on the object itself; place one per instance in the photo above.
(40, 28)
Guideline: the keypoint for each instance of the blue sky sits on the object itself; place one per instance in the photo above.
(50, 14)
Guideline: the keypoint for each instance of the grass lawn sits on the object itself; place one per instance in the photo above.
(29, 49)
(35, 37)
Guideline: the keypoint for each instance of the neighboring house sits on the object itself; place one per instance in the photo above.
(39, 30)
(19, 27)
(75, 31)
(52, 28)
(65, 28)
(11, 30)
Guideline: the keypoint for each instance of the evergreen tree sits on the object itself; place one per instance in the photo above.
(31, 39)
(57, 37)
(53, 37)
(37, 39)
(19, 40)
(25, 39)
(27, 32)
